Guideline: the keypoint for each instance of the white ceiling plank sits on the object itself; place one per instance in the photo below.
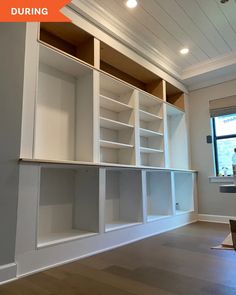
(176, 12)
(216, 16)
(229, 11)
(200, 19)
(154, 12)
(143, 35)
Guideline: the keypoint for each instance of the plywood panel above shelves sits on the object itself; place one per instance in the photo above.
(122, 67)
(70, 39)
(175, 96)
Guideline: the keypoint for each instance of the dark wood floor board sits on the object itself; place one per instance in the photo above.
(179, 262)
(181, 284)
(134, 287)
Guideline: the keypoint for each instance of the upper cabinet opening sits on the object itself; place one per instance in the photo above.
(70, 39)
(175, 96)
(124, 68)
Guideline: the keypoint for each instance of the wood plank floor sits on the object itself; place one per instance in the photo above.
(176, 262)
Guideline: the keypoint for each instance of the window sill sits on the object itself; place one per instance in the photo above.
(221, 179)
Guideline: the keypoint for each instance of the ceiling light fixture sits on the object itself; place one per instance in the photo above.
(184, 51)
(131, 3)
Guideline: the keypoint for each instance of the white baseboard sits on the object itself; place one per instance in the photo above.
(215, 218)
(7, 272)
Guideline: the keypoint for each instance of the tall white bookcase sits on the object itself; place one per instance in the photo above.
(104, 149)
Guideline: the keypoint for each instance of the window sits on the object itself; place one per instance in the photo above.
(224, 139)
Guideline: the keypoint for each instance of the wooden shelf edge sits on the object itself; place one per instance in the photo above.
(101, 164)
(113, 144)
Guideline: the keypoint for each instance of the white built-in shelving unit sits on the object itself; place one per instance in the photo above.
(104, 147)
(117, 144)
(151, 130)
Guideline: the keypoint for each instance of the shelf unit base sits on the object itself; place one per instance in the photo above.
(151, 218)
(61, 237)
(115, 225)
(179, 212)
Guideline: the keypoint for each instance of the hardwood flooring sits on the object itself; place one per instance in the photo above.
(177, 262)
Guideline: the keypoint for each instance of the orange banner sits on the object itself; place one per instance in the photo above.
(32, 11)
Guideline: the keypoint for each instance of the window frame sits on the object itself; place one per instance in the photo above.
(214, 141)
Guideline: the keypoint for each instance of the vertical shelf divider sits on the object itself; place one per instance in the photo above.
(136, 127)
(102, 199)
(96, 115)
(173, 192)
(144, 194)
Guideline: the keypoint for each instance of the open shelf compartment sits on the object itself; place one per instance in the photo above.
(175, 96)
(68, 204)
(152, 158)
(65, 98)
(184, 192)
(126, 69)
(177, 139)
(70, 39)
(159, 195)
(123, 204)
(150, 104)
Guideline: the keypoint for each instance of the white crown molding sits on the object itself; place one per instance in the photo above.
(215, 64)
(111, 25)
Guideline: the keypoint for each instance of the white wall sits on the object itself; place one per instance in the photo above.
(210, 200)
(11, 90)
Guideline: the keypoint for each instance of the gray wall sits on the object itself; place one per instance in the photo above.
(11, 89)
(210, 200)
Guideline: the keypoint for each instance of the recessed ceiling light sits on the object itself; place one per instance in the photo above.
(184, 51)
(131, 3)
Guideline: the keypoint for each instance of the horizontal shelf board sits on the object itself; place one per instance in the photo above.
(113, 105)
(115, 125)
(149, 100)
(151, 217)
(62, 62)
(114, 145)
(65, 163)
(61, 237)
(115, 225)
(149, 150)
(149, 133)
(179, 212)
(148, 117)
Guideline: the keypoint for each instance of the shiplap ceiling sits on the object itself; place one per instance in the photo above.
(160, 28)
